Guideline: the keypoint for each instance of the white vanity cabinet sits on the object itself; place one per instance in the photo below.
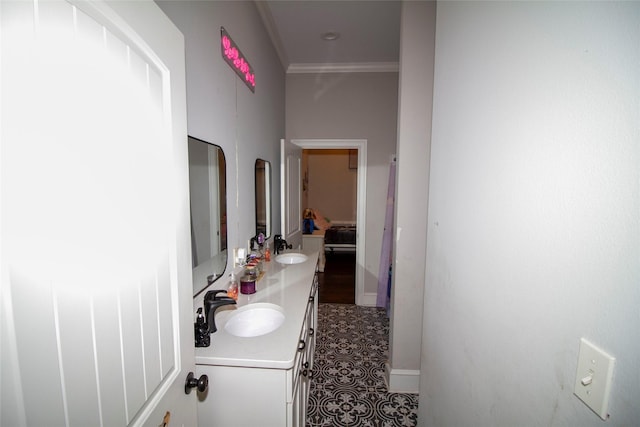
(304, 365)
(315, 242)
(247, 386)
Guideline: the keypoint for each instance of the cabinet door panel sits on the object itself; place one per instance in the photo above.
(243, 397)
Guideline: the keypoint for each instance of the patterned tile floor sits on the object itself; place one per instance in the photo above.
(348, 387)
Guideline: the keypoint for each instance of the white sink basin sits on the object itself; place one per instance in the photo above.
(291, 258)
(254, 320)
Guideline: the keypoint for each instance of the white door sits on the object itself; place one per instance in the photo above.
(96, 276)
(290, 180)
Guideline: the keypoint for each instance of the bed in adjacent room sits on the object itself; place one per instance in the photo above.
(340, 236)
(336, 235)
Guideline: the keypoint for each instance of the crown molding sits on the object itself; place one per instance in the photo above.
(269, 24)
(352, 67)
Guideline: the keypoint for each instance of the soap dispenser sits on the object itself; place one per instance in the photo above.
(267, 253)
(202, 335)
(232, 289)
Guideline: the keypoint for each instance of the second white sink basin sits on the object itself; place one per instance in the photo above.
(291, 258)
(254, 320)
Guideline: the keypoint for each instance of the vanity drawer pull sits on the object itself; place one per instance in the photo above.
(311, 298)
(304, 372)
(302, 345)
(306, 364)
(311, 331)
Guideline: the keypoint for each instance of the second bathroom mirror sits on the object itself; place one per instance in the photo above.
(208, 195)
(263, 197)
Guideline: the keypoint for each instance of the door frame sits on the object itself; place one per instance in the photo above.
(361, 210)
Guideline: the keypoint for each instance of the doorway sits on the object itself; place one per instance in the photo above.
(361, 146)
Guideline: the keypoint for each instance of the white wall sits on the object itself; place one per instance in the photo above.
(412, 183)
(351, 106)
(533, 229)
(223, 111)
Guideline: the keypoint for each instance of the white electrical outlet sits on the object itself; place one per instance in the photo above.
(593, 378)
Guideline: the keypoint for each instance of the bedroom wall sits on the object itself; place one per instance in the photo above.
(223, 111)
(351, 106)
(332, 185)
(534, 233)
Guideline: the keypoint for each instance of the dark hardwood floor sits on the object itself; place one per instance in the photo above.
(338, 282)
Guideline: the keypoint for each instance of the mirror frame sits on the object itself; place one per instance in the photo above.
(263, 194)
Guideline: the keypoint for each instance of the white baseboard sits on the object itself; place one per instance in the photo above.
(401, 380)
(368, 299)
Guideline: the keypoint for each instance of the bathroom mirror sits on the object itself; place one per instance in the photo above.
(263, 197)
(208, 197)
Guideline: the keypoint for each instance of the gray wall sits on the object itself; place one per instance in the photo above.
(223, 111)
(533, 230)
(351, 106)
(414, 131)
(332, 185)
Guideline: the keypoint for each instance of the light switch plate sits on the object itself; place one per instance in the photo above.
(593, 378)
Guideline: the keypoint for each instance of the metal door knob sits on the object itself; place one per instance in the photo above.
(201, 383)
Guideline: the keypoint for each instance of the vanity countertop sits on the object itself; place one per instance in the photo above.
(287, 286)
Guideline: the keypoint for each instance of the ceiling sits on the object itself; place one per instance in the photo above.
(369, 34)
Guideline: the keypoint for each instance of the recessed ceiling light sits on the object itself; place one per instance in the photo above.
(330, 36)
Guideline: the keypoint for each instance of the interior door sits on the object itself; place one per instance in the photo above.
(290, 183)
(97, 324)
